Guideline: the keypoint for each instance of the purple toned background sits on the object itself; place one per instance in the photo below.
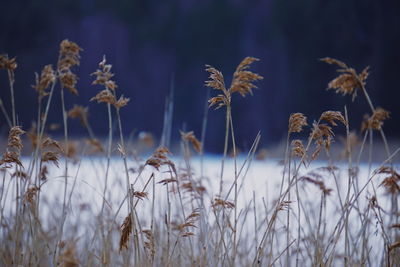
(152, 44)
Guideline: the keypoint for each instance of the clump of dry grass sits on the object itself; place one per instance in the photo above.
(174, 217)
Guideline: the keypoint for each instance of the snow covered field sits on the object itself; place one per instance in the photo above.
(259, 187)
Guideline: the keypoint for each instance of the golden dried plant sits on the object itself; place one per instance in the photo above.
(348, 81)
(104, 75)
(242, 82)
(332, 116)
(298, 149)
(69, 57)
(47, 77)
(296, 122)
(322, 133)
(14, 138)
(243, 78)
(375, 122)
(8, 63)
(10, 157)
(14, 147)
(104, 96)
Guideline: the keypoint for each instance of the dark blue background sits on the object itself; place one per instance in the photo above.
(152, 42)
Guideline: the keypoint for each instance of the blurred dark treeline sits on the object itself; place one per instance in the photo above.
(153, 44)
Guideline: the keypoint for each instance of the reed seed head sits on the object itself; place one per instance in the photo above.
(69, 57)
(8, 63)
(332, 116)
(349, 81)
(103, 75)
(296, 122)
(375, 122)
(47, 77)
(298, 148)
(243, 78)
(14, 138)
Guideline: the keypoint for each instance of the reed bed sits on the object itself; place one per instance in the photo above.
(93, 202)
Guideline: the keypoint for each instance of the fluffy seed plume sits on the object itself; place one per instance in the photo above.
(14, 138)
(242, 82)
(298, 148)
(332, 116)
(375, 122)
(10, 157)
(47, 77)
(69, 53)
(69, 80)
(349, 81)
(296, 122)
(323, 136)
(69, 57)
(104, 96)
(243, 78)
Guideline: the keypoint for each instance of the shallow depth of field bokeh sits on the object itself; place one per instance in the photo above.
(220, 133)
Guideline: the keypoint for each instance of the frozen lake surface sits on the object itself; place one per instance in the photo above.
(259, 183)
